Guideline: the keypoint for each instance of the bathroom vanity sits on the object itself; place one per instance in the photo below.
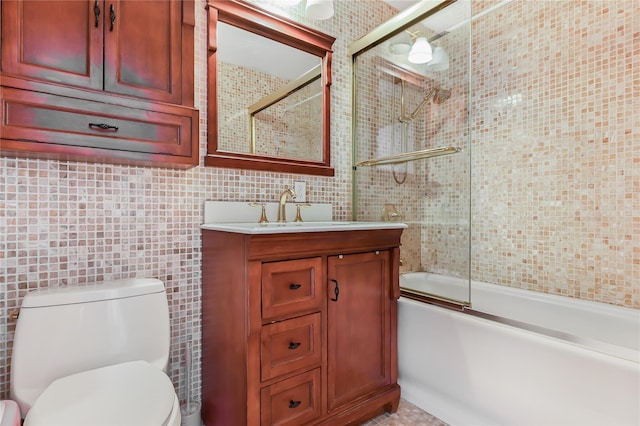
(299, 327)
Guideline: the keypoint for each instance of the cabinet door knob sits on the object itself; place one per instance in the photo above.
(294, 404)
(336, 291)
(294, 286)
(294, 345)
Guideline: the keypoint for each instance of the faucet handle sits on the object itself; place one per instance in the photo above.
(298, 215)
(263, 216)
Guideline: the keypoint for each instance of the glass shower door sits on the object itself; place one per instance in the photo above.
(411, 145)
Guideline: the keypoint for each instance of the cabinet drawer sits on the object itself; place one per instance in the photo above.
(290, 345)
(291, 287)
(294, 401)
(40, 122)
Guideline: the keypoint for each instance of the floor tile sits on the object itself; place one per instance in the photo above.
(407, 415)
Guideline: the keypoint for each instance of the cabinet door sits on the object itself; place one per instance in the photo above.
(53, 41)
(143, 49)
(359, 321)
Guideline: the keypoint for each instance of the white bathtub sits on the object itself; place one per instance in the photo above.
(470, 370)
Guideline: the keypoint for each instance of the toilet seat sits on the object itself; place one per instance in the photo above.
(132, 393)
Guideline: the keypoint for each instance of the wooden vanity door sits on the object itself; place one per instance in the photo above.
(359, 325)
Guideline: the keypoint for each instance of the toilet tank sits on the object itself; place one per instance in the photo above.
(67, 330)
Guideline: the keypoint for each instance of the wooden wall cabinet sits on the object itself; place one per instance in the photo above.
(299, 329)
(99, 80)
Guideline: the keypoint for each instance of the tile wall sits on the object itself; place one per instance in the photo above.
(556, 148)
(66, 223)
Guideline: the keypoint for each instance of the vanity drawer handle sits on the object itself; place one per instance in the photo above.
(336, 290)
(294, 404)
(294, 286)
(103, 126)
(112, 17)
(294, 345)
(96, 12)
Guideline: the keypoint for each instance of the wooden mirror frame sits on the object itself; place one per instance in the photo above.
(251, 18)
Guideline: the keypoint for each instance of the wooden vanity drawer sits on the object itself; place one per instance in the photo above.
(290, 345)
(294, 401)
(68, 128)
(291, 287)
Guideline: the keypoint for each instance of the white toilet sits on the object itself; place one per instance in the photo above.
(9, 413)
(94, 355)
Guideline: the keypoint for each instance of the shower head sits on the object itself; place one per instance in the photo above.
(427, 97)
(432, 92)
(438, 96)
(441, 96)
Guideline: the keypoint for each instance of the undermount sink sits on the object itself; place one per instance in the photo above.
(290, 227)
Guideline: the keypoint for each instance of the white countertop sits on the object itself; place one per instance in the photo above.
(293, 227)
(242, 217)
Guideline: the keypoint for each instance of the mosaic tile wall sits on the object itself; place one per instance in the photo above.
(556, 148)
(555, 154)
(65, 223)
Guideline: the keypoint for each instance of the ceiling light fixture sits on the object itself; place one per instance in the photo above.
(319, 9)
(314, 9)
(399, 49)
(420, 52)
(440, 61)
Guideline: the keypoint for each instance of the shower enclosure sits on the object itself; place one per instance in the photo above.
(411, 133)
(512, 154)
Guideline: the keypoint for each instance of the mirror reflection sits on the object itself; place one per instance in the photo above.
(259, 112)
(268, 91)
(286, 123)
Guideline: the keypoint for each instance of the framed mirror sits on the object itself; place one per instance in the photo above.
(268, 83)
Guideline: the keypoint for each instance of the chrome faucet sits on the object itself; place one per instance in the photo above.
(282, 213)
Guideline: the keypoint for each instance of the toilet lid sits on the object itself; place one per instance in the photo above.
(133, 393)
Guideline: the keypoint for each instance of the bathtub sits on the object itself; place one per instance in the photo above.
(508, 361)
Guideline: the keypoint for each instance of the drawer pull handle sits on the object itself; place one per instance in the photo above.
(336, 291)
(294, 286)
(96, 12)
(104, 126)
(294, 345)
(112, 16)
(294, 404)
